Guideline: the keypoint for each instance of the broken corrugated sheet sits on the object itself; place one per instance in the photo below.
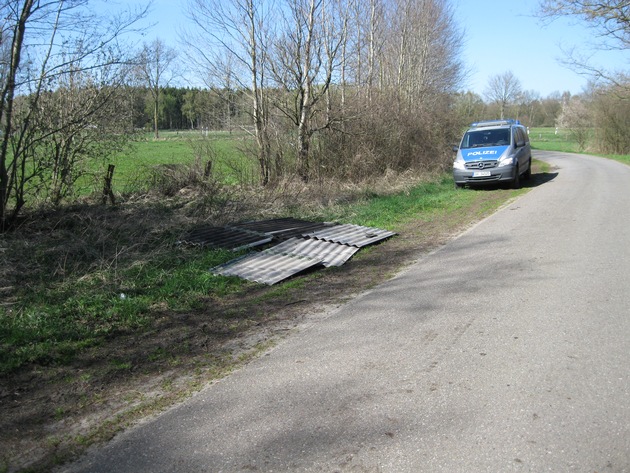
(225, 237)
(318, 244)
(250, 234)
(284, 228)
(266, 268)
(330, 254)
(352, 235)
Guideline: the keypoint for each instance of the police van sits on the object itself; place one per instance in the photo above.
(496, 151)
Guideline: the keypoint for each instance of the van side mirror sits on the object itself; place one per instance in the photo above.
(520, 144)
(455, 148)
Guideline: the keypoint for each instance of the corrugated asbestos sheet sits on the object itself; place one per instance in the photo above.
(286, 259)
(225, 237)
(303, 245)
(352, 235)
(329, 254)
(266, 268)
(250, 234)
(284, 228)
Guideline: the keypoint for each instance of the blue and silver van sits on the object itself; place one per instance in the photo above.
(496, 151)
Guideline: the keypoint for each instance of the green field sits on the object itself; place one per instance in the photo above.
(548, 139)
(137, 168)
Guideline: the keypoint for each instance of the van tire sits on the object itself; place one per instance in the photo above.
(516, 183)
(528, 174)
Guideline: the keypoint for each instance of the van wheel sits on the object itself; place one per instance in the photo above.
(528, 173)
(516, 183)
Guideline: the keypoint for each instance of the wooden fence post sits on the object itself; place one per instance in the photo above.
(107, 187)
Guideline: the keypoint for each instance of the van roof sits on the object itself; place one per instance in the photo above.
(489, 123)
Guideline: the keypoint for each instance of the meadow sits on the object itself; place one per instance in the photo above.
(147, 158)
(551, 139)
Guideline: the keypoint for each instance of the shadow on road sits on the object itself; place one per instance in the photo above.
(539, 179)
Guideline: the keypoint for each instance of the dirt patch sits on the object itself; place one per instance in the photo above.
(51, 414)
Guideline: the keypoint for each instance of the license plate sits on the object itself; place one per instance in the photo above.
(481, 174)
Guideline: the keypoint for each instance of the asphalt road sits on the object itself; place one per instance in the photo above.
(506, 350)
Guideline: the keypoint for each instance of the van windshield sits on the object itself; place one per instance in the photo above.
(481, 138)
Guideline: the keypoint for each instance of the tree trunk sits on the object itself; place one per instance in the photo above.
(156, 109)
(6, 108)
(303, 149)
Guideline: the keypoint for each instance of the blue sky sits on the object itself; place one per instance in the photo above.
(504, 35)
(501, 36)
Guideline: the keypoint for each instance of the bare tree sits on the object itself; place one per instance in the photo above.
(374, 43)
(303, 65)
(503, 89)
(610, 22)
(469, 106)
(610, 18)
(529, 104)
(156, 70)
(61, 40)
(230, 40)
(16, 18)
(360, 25)
(81, 122)
(334, 68)
(407, 53)
(420, 56)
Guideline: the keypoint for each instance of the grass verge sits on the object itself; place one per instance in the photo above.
(52, 321)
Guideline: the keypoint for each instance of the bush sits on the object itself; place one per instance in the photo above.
(612, 134)
(389, 138)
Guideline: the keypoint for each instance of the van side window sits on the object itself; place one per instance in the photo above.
(502, 137)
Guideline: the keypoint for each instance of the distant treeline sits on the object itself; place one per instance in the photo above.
(190, 108)
(185, 108)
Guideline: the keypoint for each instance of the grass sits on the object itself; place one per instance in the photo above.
(622, 158)
(54, 321)
(548, 139)
(421, 202)
(135, 169)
